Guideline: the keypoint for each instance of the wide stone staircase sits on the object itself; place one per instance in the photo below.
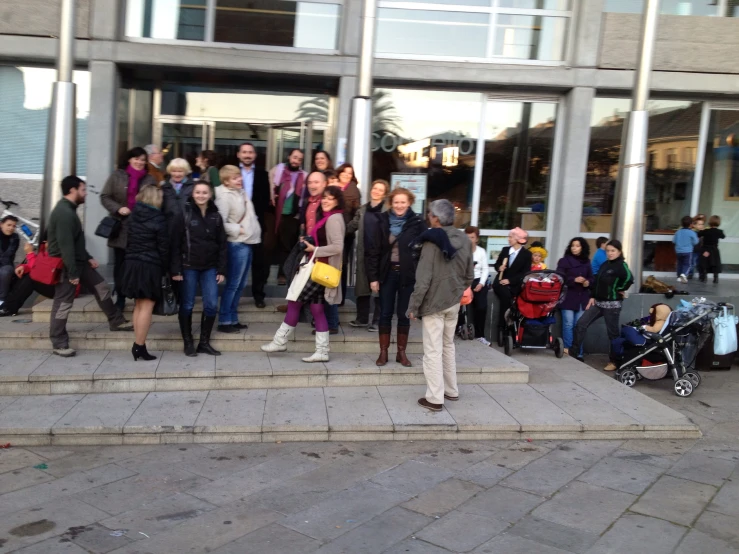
(102, 396)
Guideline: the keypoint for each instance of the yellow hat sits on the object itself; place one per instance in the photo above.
(539, 250)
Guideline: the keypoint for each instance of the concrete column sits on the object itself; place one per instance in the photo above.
(566, 195)
(101, 137)
(588, 23)
(106, 19)
(347, 88)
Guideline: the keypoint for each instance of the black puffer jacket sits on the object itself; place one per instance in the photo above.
(379, 251)
(199, 242)
(148, 237)
(173, 203)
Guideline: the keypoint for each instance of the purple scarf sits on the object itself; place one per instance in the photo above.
(134, 178)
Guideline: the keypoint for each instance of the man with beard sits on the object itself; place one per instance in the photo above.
(288, 194)
(256, 185)
(66, 240)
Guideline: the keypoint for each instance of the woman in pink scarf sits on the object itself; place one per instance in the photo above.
(119, 198)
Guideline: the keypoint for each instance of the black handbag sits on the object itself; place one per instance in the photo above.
(167, 303)
(108, 228)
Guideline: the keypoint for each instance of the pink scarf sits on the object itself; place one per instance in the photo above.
(314, 232)
(134, 178)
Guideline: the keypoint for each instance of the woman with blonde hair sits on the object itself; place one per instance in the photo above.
(364, 225)
(177, 188)
(147, 261)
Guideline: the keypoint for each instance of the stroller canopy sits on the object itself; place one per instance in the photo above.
(541, 292)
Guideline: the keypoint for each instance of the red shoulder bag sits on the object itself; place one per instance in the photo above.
(47, 270)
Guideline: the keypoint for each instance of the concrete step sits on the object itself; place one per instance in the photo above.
(86, 310)
(483, 412)
(36, 372)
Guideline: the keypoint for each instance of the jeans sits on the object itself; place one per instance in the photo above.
(439, 362)
(239, 260)
(569, 320)
(683, 263)
(208, 287)
(695, 259)
(7, 275)
(332, 315)
(613, 328)
(389, 290)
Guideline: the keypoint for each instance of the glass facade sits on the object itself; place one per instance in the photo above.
(309, 25)
(24, 118)
(474, 29)
(667, 7)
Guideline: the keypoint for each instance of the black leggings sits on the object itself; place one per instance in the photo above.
(613, 328)
(22, 289)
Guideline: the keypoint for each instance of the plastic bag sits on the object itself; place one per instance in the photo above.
(724, 333)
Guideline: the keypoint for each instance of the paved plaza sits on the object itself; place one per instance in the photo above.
(407, 496)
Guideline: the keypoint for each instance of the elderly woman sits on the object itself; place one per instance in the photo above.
(207, 163)
(177, 188)
(513, 263)
(327, 247)
(391, 268)
(119, 198)
(147, 261)
(364, 225)
(444, 271)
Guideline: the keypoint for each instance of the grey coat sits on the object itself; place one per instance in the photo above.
(440, 283)
(357, 225)
(114, 197)
(335, 231)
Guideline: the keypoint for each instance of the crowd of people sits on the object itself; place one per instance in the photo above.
(176, 229)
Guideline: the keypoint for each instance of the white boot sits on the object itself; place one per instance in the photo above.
(321, 353)
(279, 342)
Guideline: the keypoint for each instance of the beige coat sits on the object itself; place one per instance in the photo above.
(334, 250)
(239, 218)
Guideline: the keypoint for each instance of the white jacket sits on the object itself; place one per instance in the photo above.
(238, 214)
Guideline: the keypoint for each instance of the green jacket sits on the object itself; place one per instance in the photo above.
(67, 239)
(441, 283)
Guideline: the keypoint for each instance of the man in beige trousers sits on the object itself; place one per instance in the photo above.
(444, 271)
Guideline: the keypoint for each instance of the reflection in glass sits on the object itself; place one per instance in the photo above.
(530, 37)
(166, 19)
(562, 5)
(432, 33)
(182, 140)
(720, 184)
(517, 165)
(407, 140)
(277, 23)
(667, 7)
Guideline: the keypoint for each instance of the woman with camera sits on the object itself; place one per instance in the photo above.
(327, 246)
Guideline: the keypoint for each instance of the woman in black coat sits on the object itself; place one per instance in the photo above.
(146, 262)
(513, 263)
(391, 268)
(199, 257)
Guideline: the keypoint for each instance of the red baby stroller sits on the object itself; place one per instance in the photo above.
(531, 317)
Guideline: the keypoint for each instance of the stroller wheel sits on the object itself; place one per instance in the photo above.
(508, 346)
(501, 338)
(627, 377)
(559, 348)
(683, 387)
(694, 378)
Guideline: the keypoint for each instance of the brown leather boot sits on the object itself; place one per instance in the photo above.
(384, 345)
(401, 358)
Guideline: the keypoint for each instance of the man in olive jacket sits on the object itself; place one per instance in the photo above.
(66, 240)
(444, 271)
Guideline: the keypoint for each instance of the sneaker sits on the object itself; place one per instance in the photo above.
(126, 326)
(484, 341)
(429, 406)
(228, 329)
(65, 352)
(372, 328)
(357, 323)
(683, 279)
(610, 367)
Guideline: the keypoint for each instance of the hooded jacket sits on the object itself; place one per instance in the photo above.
(199, 242)
(148, 237)
(440, 282)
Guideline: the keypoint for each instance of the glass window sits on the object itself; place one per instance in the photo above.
(166, 19)
(562, 5)
(517, 165)
(24, 117)
(529, 37)
(277, 23)
(673, 129)
(432, 154)
(432, 33)
(667, 7)
(720, 184)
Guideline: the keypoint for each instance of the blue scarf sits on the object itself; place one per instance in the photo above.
(397, 222)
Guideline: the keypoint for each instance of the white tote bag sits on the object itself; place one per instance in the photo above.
(724, 333)
(300, 279)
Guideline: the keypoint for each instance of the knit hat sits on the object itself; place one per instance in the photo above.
(521, 236)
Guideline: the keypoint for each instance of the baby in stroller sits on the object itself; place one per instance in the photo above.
(632, 335)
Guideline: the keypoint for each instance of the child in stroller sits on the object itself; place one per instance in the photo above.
(668, 343)
(530, 319)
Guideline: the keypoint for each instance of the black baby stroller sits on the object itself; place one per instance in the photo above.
(673, 350)
(531, 317)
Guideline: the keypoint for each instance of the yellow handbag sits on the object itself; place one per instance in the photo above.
(326, 275)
